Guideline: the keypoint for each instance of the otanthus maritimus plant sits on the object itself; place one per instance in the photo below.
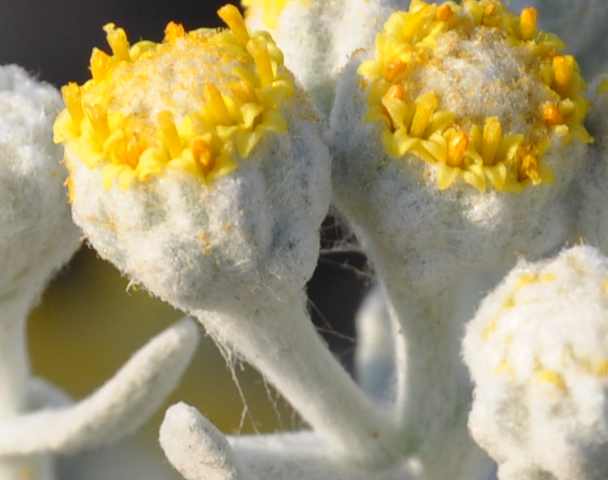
(455, 139)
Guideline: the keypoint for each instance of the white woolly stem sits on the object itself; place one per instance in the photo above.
(433, 392)
(15, 386)
(279, 340)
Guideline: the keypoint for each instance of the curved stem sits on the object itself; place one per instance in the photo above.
(279, 340)
(15, 386)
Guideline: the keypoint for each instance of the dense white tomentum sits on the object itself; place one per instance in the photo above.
(37, 236)
(457, 144)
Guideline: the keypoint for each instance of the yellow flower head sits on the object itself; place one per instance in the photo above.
(476, 91)
(199, 101)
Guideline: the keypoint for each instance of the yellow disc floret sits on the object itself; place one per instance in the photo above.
(270, 10)
(199, 101)
(475, 91)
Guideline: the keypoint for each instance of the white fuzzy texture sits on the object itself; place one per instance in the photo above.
(538, 352)
(592, 183)
(581, 24)
(214, 245)
(318, 37)
(200, 452)
(117, 409)
(394, 204)
(37, 235)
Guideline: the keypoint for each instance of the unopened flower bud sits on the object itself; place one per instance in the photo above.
(538, 356)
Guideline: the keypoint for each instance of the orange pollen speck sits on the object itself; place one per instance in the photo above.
(394, 69)
(444, 13)
(396, 92)
(174, 31)
(456, 149)
(202, 155)
(552, 115)
(528, 167)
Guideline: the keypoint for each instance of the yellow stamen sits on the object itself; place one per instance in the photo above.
(425, 107)
(394, 69)
(528, 166)
(563, 67)
(457, 147)
(202, 155)
(167, 131)
(174, 31)
(553, 116)
(257, 49)
(217, 104)
(396, 92)
(233, 18)
(98, 116)
(100, 64)
(527, 23)
(444, 13)
(117, 38)
(73, 101)
(492, 135)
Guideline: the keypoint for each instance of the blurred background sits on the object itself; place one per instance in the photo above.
(89, 322)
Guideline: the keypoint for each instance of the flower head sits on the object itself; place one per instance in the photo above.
(475, 91)
(199, 101)
(196, 164)
(537, 353)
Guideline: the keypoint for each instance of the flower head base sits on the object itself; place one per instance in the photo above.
(475, 91)
(199, 101)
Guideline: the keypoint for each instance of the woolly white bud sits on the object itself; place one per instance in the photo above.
(318, 36)
(37, 234)
(538, 355)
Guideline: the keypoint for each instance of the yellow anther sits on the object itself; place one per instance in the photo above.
(491, 15)
(563, 68)
(244, 91)
(233, 18)
(457, 147)
(174, 31)
(552, 377)
(98, 116)
(394, 69)
(492, 135)
(444, 13)
(257, 48)
(425, 107)
(553, 116)
(528, 165)
(202, 155)
(73, 101)
(117, 38)
(100, 64)
(214, 99)
(527, 23)
(128, 151)
(396, 92)
(167, 131)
